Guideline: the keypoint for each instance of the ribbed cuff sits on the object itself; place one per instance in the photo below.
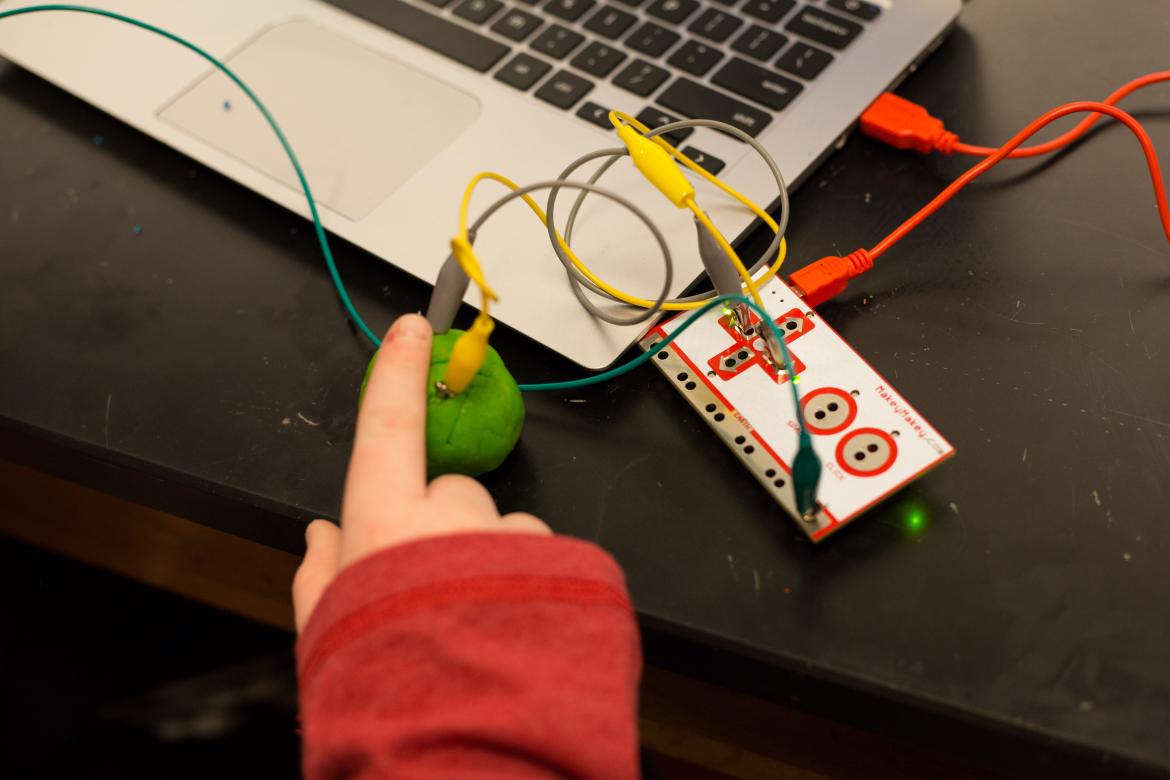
(457, 569)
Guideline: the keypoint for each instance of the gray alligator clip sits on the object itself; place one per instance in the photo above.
(450, 287)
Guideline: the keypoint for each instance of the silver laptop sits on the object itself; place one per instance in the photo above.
(392, 105)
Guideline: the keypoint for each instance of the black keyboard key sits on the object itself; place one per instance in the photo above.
(859, 8)
(477, 11)
(770, 11)
(652, 118)
(692, 99)
(597, 59)
(595, 114)
(426, 29)
(530, 2)
(715, 25)
(712, 164)
(632, 3)
(804, 61)
(439, 3)
(640, 77)
(759, 84)
(726, 2)
(564, 89)
(673, 11)
(516, 24)
(759, 42)
(610, 22)
(522, 71)
(695, 58)
(571, 10)
(652, 39)
(557, 41)
(822, 27)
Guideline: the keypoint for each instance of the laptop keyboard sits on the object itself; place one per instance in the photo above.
(738, 61)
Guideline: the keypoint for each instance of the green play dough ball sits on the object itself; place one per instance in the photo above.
(474, 431)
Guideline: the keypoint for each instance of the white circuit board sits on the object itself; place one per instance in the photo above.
(870, 440)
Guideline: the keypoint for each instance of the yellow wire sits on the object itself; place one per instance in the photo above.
(616, 117)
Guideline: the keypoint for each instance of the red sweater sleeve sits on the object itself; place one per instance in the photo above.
(472, 656)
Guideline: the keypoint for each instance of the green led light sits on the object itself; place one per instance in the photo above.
(915, 521)
(796, 381)
(727, 311)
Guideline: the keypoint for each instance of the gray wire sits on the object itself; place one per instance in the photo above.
(577, 279)
(590, 187)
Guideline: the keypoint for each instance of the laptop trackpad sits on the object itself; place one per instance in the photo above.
(360, 122)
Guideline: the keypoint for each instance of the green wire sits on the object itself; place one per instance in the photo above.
(806, 467)
(645, 357)
(322, 238)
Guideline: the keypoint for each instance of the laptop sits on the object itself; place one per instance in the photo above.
(392, 106)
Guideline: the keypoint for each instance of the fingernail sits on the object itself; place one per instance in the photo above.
(411, 326)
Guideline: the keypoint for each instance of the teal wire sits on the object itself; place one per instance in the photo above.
(645, 357)
(322, 238)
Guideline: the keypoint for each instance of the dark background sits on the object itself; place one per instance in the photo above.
(104, 677)
(173, 338)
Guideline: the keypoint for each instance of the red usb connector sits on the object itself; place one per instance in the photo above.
(828, 277)
(905, 125)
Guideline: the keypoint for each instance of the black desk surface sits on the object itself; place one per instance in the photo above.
(201, 364)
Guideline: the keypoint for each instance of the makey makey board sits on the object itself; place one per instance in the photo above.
(870, 440)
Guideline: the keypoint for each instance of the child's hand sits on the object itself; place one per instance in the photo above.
(387, 499)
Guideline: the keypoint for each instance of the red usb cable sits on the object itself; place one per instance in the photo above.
(906, 125)
(1072, 135)
(1006, 150)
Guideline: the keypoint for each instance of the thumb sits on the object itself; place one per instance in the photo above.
(316, 570)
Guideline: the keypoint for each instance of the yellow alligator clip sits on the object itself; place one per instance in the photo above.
(467, 356)
(656, 165)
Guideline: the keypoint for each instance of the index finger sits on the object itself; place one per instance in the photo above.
(388, 463)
